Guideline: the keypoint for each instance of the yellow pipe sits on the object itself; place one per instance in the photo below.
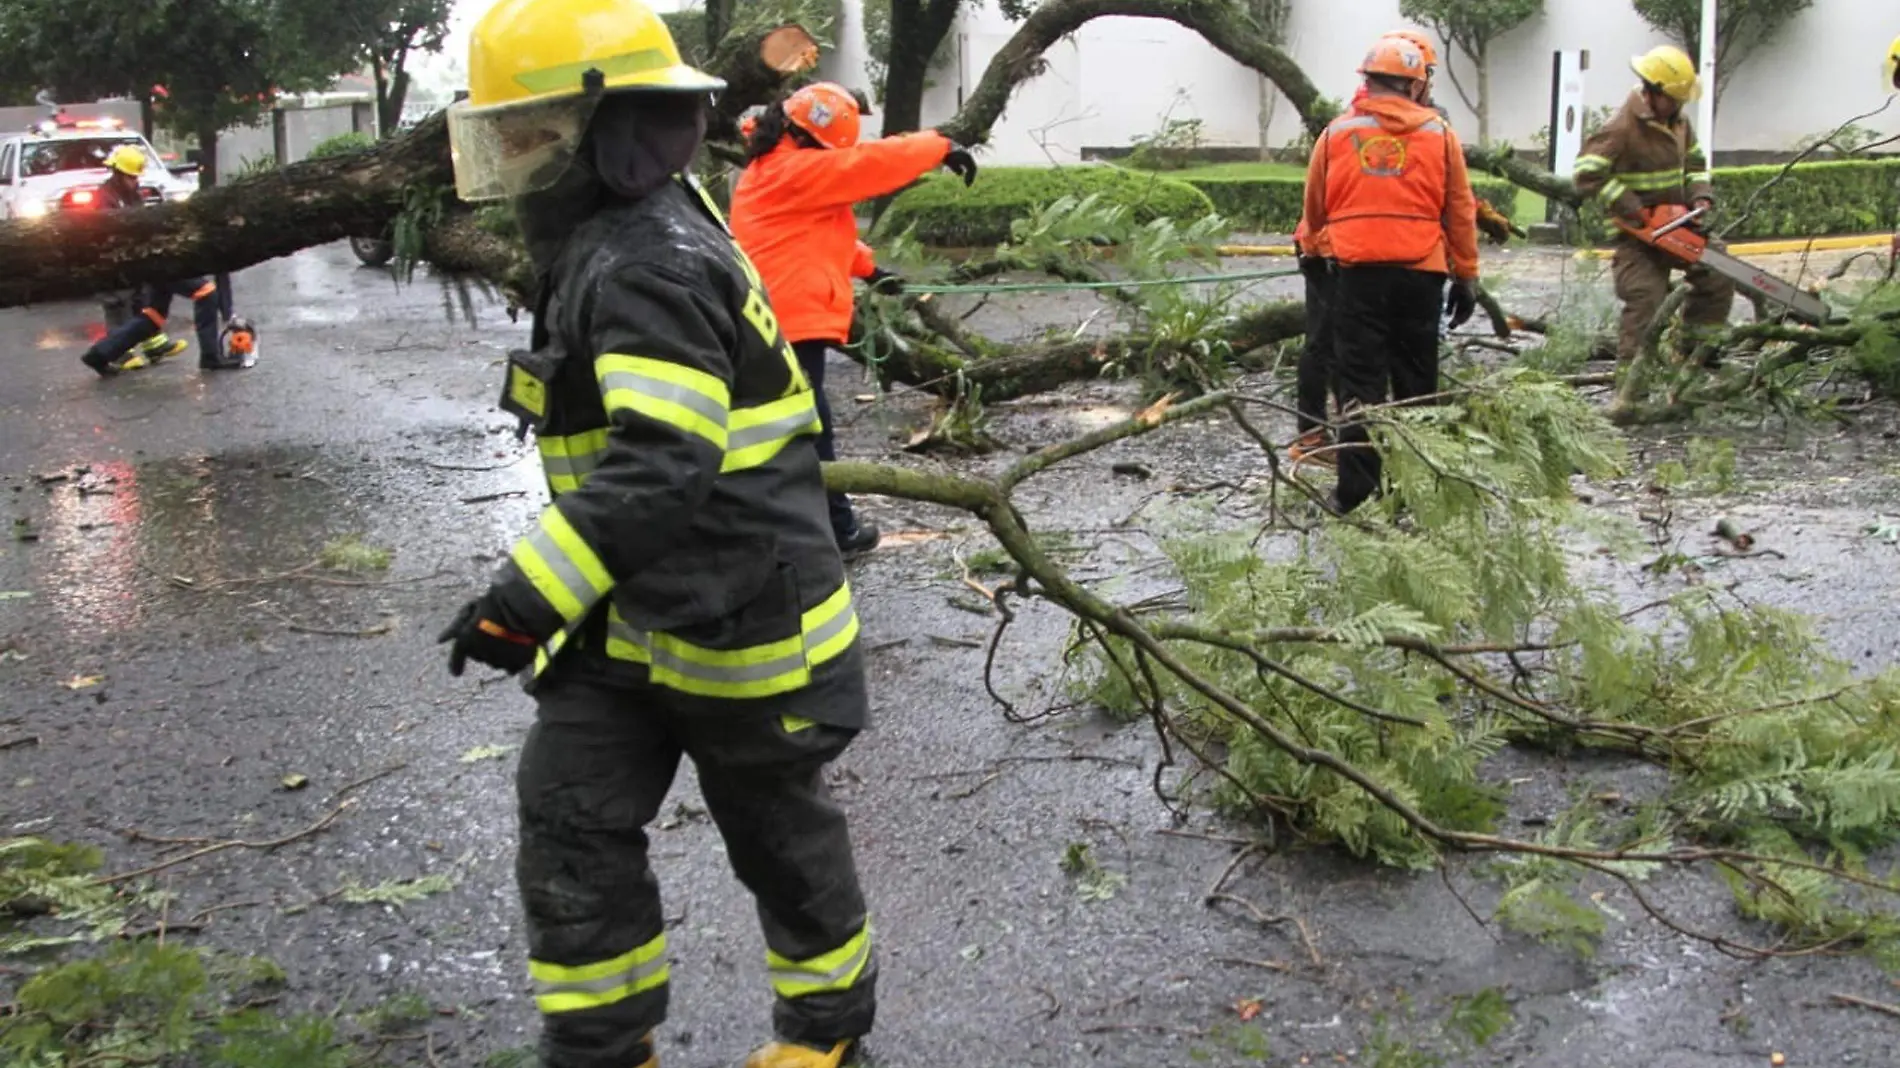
(1255, 250)
(1778, 247)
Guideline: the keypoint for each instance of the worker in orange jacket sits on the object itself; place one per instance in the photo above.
(1388, 187)
(791, 212)
(1313, 376)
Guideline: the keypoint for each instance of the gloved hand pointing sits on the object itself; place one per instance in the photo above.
(1462, 302)
(478, 633)
(960, 163)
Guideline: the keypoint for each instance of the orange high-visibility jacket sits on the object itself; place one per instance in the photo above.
(792, 215)
(1387, 184)
(1309, 240)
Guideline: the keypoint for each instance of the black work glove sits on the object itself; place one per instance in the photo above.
(479, 633)
(885, 282)
(960, 163)
(1702, 221)
(1462, 302)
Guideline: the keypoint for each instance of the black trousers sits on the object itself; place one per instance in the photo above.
(594, 771)
(811, 356)
(1313, 380)
(154, 305)
(1385, 339)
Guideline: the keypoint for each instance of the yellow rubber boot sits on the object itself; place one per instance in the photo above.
(793, 1055)
(653, 1054)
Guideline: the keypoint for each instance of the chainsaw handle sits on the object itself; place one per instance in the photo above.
(1678, 223)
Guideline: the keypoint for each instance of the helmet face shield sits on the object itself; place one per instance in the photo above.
(514, 149)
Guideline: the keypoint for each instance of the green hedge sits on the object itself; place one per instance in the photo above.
(1272, 204)
(946, 213)
(341, 144)
(1813, 200)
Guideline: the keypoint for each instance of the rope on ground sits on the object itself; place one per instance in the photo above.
(921, 288)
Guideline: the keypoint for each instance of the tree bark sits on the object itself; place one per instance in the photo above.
(1483, 58)
(207, 155)
(940, 369)
(918, 28)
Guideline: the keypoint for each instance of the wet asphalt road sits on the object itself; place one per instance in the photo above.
(162, 568)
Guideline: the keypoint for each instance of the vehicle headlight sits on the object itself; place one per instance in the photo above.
(180, 194)
(32, 208)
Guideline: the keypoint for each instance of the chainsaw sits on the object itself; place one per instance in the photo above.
(1671, 228)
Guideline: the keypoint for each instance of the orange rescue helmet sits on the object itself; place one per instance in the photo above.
(1424, 43)
(826, 111)
(1394, 57)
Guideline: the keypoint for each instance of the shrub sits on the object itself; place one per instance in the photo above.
(1813, 200)
(1271, 204)
(341, 145)
(946, 213)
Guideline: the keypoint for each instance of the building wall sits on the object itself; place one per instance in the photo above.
(1117, 79)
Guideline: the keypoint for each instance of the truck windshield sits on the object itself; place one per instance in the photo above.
(70, 154)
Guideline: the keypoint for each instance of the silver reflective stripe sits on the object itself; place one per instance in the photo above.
(771, 669)
(1434, 126)
(785, 426)
(606, 983)
(828, 979)
(830, 628)
(660, 389)
(562, 567)
(1357, 122)
(575, 466)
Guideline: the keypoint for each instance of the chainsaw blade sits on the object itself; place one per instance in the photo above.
(1804, 305)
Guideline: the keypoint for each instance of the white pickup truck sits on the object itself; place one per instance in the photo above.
(53, 167)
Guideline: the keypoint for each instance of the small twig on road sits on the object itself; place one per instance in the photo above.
(1261, 916)
(367, 779)
(470, 467)
(16, 743)
(1867, 1003)
(1055, 1004)
(1445, 874)
(1203, 836)
(1269, 965)
(1312, 944)
(202, 914)
(1158, 1029)
(1228, 872)
(234, 843)
(376, 631)
(486, 497)
(428, 1047)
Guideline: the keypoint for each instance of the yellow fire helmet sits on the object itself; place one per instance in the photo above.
(1670, 69)
(127, 160)
(1893, 65)
(536, 69)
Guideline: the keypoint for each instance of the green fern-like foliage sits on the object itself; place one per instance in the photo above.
(1772, 745)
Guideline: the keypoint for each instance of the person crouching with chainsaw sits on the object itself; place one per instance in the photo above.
(140, 340)
(682, 595)
(1644, 157)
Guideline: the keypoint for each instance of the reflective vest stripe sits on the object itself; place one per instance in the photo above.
(826, 973)
(561, 567)
(826, 631)
(681, 397)
(1592, 164)
(1613, 191)
(574, 988)
(755, 435)
(567, 461)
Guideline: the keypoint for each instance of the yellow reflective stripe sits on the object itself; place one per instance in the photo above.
(681, 397)
(1702, 178)
(755, 435)
(826, 632)
(825, 973)
(1613, 190)
(1648, 180)
(561, 566)
(567, 461)
(572, 988)
(1588, 164)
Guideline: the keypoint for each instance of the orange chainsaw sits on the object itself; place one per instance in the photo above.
(1671, 228)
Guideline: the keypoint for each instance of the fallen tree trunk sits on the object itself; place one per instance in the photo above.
(939, 367)
(230, 227)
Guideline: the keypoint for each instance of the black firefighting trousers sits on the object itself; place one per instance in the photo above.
(1385, 344)
(154, 305)
(1314, 376)
(595, 768)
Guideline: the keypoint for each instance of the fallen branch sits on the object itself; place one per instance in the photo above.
(236, 843)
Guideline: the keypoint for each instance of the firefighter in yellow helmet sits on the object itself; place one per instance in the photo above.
(1892, 78)
(1646, 155)
(682, 596)
(141, 340)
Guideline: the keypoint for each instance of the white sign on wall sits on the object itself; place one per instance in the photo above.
(1566, 110)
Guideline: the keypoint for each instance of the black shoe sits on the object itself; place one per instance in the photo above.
(861, 538)
(98, 362)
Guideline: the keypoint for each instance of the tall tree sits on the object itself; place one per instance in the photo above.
(391, 31)
(1741, 28)
(1471, 26)
(918, 30)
